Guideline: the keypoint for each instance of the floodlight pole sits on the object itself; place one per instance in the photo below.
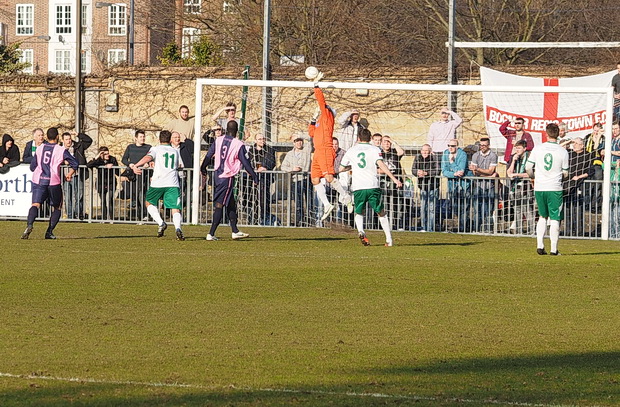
(266, 112)
(451, 61)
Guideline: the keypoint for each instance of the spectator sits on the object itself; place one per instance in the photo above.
(350, 127)
(392, 153)
(443, 130)
(483, 165)
(107, 170)
(38, 138)
(263, 159)
(579, 169)
(512, 136)
(231, 111)
(9, 154)
(137, 185)
(74, 189)
(595, 143)
(186, 152)
(184, 125)
(615, 144)
(564, 139)
(615, 82)
(210, 135)
(297, 161)
(614, 207)
(376, 140)
(426, 168)
(343, 176)
(454, 167)
(521, 196)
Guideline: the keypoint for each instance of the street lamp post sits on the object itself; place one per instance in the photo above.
(78, 68)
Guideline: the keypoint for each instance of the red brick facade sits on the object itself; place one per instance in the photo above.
(53, 47)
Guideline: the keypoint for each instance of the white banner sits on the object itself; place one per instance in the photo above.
(16, 191)
(578, 110)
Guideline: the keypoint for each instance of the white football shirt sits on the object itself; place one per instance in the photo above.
(549, 160)
(363, 158)
(167, 161)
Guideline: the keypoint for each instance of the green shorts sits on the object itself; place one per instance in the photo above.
(550, 204)
(170, 195)
(372, 196)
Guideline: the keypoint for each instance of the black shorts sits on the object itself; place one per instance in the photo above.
(224, 188)
(42, 193)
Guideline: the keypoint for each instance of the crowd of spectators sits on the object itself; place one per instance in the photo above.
(472, 182)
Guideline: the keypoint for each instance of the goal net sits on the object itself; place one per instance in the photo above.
(280, 112)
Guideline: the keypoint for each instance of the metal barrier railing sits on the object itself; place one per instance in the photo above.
(498, 206)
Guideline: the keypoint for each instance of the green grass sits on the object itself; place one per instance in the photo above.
(439, 319)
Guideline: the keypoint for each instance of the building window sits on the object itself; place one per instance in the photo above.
(117, 19)
(27, 56)
(25, 19)
(84, 19)
(116, 56)
(63, 61)
(83, 60)
(231, 6)
(63, 19)
(190, 36)
(191, 6)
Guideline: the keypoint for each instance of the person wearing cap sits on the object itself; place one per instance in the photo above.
(210, 135)
(443, 130)
(321, 129)
(349, 128)
(297, 161)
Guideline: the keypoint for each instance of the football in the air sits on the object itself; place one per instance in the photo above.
(311, 72)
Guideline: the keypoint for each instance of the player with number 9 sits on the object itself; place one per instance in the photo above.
(548, 162)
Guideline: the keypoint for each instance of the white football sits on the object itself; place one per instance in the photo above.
(311, 72)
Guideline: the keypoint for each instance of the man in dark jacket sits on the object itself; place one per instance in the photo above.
(38, 138)
(263, 160)
(74, 189)
(9, 154)
(107, 171)
(135, 187)
(427, 168)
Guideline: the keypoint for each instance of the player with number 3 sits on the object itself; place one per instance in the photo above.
(363, 158)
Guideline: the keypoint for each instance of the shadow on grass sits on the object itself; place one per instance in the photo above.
(463, 244)
(589, 378)
(593, 254)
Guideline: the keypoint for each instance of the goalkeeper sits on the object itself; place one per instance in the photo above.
(321, 130)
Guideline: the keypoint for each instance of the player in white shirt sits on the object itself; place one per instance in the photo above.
(164, 183)
(363, 159)
(549, 163)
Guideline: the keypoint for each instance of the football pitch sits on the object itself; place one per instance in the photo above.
(109, 315)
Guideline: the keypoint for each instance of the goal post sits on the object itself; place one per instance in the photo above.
(402, 110)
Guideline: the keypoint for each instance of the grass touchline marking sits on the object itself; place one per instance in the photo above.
(284, 390)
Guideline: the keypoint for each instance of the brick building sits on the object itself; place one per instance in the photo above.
(47, 29)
